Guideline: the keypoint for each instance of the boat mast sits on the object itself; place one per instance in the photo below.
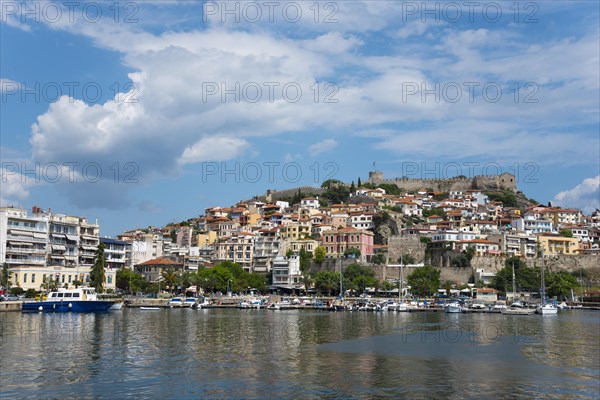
(401, 278)
(543, 287)
(341, 283)
(514, 287)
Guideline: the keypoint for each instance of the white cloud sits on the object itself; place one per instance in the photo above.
(176, 121)
(321, 147)
(213, 149)
(585, 196)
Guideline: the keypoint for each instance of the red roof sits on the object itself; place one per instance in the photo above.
(160, 261)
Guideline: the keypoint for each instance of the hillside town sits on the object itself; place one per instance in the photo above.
(284, 235)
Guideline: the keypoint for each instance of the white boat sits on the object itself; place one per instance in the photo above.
(517, 308)
(562, 306)
(453, 307)
(202, 303)
(499, 306)
(189, 302)
(116, 306)
(175, 302)
(251, 303)
(149, 308)
(478, 304)
(545, 308)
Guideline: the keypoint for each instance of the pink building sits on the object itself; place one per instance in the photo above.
(337, 241)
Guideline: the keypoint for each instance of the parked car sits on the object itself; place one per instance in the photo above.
(9, 297)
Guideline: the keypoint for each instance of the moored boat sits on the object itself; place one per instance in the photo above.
(453, 307)
(65, 300)
(175, 302)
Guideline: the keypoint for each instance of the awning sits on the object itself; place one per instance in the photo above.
(72, 238)
(40, 235)
(88, 247)
(21, 233)
(20, 243)
(58, 247)
(59, 235)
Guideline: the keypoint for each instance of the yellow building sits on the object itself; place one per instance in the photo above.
(553, 245)
(206, 238)
(28, 277)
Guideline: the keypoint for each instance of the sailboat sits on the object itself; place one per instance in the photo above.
(545, 308)
(516, 308)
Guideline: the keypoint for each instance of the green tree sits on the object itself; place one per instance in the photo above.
(327, 281)
(129, 281)
(307, 280)
(559, 284)
(566, 233)
(378, 259)
(362, 282)
(358, 183)
(352, 252)
(170, 278)
(434, 211)
(5, 276)
(460, 260)
(525, 278)
(320, 254)
(257, 281)
(390, 188)
(424, 280)
(447, 285)
(97, 270)
(305, 259)
(407, 259)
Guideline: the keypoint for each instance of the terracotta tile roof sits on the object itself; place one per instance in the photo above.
(160, 261)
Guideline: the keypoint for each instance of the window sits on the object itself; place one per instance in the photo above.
(109, 279)
(70, 277)
(32, 278)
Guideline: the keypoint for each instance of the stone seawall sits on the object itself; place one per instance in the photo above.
(463, 275)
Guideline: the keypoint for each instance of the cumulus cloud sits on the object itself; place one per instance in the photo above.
(213, 149)
(203, 94)
(321, 147)
(585, 196)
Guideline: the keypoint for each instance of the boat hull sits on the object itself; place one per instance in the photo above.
(545, 310)
(68, 306)
(518, 311)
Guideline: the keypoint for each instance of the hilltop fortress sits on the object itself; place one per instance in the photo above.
(504, 181)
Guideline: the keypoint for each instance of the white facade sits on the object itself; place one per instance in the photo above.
(23, 238)
(286, 272)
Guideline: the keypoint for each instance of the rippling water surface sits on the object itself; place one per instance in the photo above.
(299, 354)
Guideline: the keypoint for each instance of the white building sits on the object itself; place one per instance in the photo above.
(310, 202)
(286, 273)
(23, 238)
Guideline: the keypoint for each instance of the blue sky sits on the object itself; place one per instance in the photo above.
(149, 112)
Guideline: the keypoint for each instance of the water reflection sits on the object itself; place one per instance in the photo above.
(308, 354)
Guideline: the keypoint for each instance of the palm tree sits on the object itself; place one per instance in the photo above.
(307, 280)
(447, 284)
(170, 278)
